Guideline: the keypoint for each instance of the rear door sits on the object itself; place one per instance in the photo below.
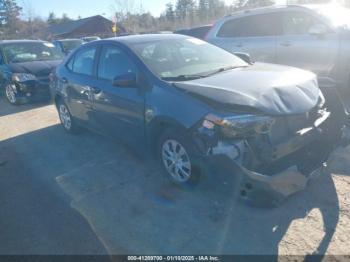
(254, 34)
(297, 47)
(79, 81)
(119, 111)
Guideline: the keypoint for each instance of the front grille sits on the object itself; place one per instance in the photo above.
(44, 79)
(287, 126)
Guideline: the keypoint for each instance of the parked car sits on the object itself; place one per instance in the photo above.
(311, 37)
(198, 32)
(267, 124)
(24, 69)
(68, 45)
(88, 39)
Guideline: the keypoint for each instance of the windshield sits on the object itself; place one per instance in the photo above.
(337, 15)
(70, 45)
(187, 56)
(31, 51)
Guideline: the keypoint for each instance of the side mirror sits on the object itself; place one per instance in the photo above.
(126, 80)
(244, 56)
(318, 30)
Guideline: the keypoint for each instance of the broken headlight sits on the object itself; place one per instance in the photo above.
(239, 126)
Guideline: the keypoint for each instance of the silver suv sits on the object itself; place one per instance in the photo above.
(312, 37)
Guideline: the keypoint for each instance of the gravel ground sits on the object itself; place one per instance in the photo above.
(130, 208)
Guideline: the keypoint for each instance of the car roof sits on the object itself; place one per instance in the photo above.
(133, 39)
(20, 41)
(261, 10)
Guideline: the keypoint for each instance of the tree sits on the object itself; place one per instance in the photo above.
(52, 19)
(185, 11)
(203, 10)
(9, 17)
(245, 4)
(65, 18)
(216, 8)
(169, 12)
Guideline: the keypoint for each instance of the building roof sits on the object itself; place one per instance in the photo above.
(72, 26)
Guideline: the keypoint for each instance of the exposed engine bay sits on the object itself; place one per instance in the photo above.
(274, 156)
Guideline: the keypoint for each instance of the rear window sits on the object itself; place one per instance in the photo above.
(251, 26)
(199, 32)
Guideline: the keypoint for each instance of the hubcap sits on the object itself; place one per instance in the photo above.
(65, 117)
(176, 161)
(10, 94)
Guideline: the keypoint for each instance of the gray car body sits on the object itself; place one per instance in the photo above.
(327, 55)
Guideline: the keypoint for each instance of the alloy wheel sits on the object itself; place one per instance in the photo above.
(65, 117)
(176, 161)
(10, 94)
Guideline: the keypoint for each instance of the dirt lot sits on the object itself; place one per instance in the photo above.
(87, 195)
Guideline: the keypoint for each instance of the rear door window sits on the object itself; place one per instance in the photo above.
(251, 26)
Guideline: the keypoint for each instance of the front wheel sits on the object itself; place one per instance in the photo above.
(11, 94)
(176, 156)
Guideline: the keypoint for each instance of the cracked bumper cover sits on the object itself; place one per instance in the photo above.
(265, 190)
(32, 91)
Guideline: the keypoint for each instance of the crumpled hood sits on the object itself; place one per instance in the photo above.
(272, 89)
(37, 68)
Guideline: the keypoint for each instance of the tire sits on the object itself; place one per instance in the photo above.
(10, 95)
(176, 155)
(67, 121)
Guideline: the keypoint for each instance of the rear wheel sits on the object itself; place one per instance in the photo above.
(66, 118)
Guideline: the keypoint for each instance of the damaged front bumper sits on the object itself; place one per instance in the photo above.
(33, 90)
(290, 165)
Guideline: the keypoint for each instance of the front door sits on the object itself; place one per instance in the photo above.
(119, 110)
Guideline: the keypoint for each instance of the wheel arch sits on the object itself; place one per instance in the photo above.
(57, 99)
(157, 127)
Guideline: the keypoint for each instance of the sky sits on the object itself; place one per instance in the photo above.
(85, 8)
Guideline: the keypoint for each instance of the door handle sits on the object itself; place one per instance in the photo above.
(96, 90)
(64, 80)
(286, 44)
(239, 45)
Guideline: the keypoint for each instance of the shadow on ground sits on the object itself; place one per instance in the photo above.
(132, 208)
(7, 109)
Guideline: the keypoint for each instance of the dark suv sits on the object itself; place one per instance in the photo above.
(192, 104)
(25, 67)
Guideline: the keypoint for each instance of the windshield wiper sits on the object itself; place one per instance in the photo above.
(222, 69)
(197, 76)
(182, 77)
